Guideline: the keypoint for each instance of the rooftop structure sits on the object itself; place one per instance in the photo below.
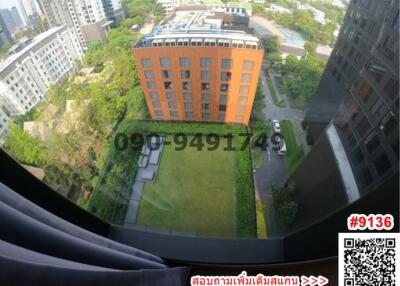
(194, 68)
(197, 28)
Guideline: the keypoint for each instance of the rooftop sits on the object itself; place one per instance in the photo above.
(30, 44)
(198, 27)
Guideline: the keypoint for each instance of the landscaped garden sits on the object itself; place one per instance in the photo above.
(194, 191)
(204, 192)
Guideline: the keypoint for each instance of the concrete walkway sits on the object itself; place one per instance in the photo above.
(140, 181)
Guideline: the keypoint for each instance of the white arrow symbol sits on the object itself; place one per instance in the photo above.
(314, 280)
(322, 280)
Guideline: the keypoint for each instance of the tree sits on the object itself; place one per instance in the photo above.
(272, 45)
(23, 146)
(274, 58)
(287, 213)
(95, 56)
(159, 10)
(310, 47)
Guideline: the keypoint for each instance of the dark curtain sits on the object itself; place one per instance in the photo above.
(39, 248)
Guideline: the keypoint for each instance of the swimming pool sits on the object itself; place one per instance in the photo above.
(292, 37)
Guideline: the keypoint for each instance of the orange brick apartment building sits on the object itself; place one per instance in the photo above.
(191, 69)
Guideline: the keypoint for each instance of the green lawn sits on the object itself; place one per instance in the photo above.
(295, 152)
(194, 192)
(274, 95)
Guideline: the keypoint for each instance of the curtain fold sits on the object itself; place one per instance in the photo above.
(36, 245)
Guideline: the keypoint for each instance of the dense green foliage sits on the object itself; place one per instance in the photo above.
(303, 21)
(285, 206)
(272, 45)
(24, 147)
(74, 154)
(302, 76)
(4, 51)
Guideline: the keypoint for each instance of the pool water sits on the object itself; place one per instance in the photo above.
(292, 37)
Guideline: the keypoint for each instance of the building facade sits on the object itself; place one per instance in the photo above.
(203, 74)
(16, 16)
(8, 20)
(88, 18)
(26, 75)
(353, 119)
(5, 35)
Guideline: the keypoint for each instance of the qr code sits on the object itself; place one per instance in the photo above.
(369, 259)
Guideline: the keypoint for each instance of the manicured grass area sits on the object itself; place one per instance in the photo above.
(295, 152)
(194, 192)
(112, 192)
(258, 157)
(274, 95)
(262, 227)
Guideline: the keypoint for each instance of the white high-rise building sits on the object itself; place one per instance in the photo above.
(90, 18)
(169, 5)
(26, 75)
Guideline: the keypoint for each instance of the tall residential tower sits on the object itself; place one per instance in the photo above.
(353, 119)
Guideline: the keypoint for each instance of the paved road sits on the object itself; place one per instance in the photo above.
(274, 168)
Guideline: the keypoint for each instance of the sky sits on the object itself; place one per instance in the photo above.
(8, 3)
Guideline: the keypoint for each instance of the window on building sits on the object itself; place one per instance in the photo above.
(226, 76)
(376, 70)
(205, 62)
(222, 107)
(168, 85)
(187, 96)
(244, 89)
(205, 107)
(205, 75)
(173, 114)
(186, 74)
(189, 115)
(246, 77)
(167, 74)
(151, 85)
(362, 127)
(158, 113)
(205, 97)
(148, 74)
(186, 85)
(248, 65)
(242, 99)
(221, 116)
(165, 62)
(382, 164)
(156, 104)
(205, 86)
(188, 106)
(392, 87)
(172, 105)
(146, 63)
(372, 143)
(226, 63)
(224, 87)
(358, 156)
(185, 62)
(206, 116)
(171, 96)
